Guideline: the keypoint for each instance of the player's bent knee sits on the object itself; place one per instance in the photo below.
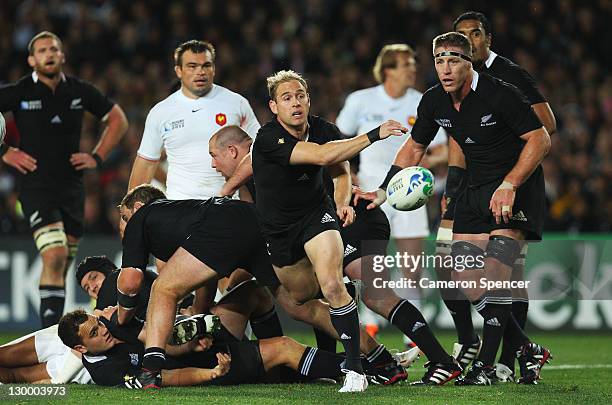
(49, 238)
(467, 254)
(504, 249)
(130, 281)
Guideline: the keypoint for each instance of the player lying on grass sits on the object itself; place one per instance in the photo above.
(200, 241)
(114, 361)
(229, 148)
(41, 357)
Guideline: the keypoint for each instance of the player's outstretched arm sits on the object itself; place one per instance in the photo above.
(410, 154)
(336, 151)
(241, 175)
(196, 376)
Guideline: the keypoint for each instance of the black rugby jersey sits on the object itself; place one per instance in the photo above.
(286, 193)
(508, 71)
(488, 127)
(50, 124)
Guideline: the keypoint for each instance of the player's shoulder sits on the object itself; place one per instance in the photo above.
(497, 91)
(362, 94)
(168, 103)
(219, 91)
(433, 94)
(502, 64)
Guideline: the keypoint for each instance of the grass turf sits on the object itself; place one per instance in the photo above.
(579, 374)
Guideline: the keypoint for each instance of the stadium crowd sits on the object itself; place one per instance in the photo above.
(125, 49)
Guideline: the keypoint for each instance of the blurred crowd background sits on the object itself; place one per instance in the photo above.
(125, 49)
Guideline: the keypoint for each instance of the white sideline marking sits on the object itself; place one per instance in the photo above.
(576, 366)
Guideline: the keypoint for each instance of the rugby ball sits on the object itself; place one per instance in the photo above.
(410, 188)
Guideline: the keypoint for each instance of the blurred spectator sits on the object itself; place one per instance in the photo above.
(125, 48)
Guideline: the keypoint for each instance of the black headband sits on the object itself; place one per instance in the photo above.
(453, 53)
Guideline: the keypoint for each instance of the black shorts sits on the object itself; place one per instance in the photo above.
(286, 247)
(42, 207)
(369, 225)
(228, 237)
(451, 204)
(247, 365)
(472, 213)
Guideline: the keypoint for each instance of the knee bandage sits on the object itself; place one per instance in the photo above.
(504, 249)
(461, 250)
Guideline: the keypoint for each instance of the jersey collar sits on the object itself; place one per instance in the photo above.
(475, 77)
(35, 77)
(490, 59)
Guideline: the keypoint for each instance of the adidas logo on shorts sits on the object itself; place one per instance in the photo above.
(349, 249)
(417, 326)
(493, 322)
(519, 216)
(327, 218)
(344, 336)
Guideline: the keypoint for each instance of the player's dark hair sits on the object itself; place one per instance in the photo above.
(40, 35)
(144, 193)
(68, 327)
(231, 135)
(195, 46)
(94, 263)
(474, 15)
(454, 39)
(387, 59)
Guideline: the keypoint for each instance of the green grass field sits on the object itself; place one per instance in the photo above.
(581, 373)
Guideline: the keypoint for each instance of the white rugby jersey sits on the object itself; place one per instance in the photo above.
(183, 126)
(368, 108)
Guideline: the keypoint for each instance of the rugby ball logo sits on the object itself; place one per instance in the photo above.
(410, 188)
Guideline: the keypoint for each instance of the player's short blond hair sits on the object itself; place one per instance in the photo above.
(455, 40)
(43, 34)
(387, 59)
(281, 77)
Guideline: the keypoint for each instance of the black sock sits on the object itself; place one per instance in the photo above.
(519, 312)
(154, 358)
(380, 355)
(267, 325)
(460, 310)
(407, 318)
(51, 304)
(317, 363)
(495, 308)
(346, 322)
(324, 341)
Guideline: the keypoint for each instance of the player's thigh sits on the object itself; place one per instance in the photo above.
(299, 280)
(413, 247)
(29, 374)
(325, 251)
(19, 353)
(184, 273)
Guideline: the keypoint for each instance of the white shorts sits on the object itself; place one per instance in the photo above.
(404, 224)
(51, 350)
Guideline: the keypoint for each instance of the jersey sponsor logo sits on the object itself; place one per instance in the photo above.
(75, 104)
(327, 218)
(31, 105)
(281, 141)
(411, 120)
(56, 120)
(485, 120)
(35, 219)
(303, 177)
(171, 126)
(349, 249)
(519, 216)
(221, 119)
(444, 122)
(469, 140)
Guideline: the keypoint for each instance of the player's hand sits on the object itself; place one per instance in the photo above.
(224, 361)
(378, 197)
(20, 160)
(346, 214)
(391, 128)
(443, 205)
(106, 312)
(202, 344)
(82, 161)
(501, 204)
